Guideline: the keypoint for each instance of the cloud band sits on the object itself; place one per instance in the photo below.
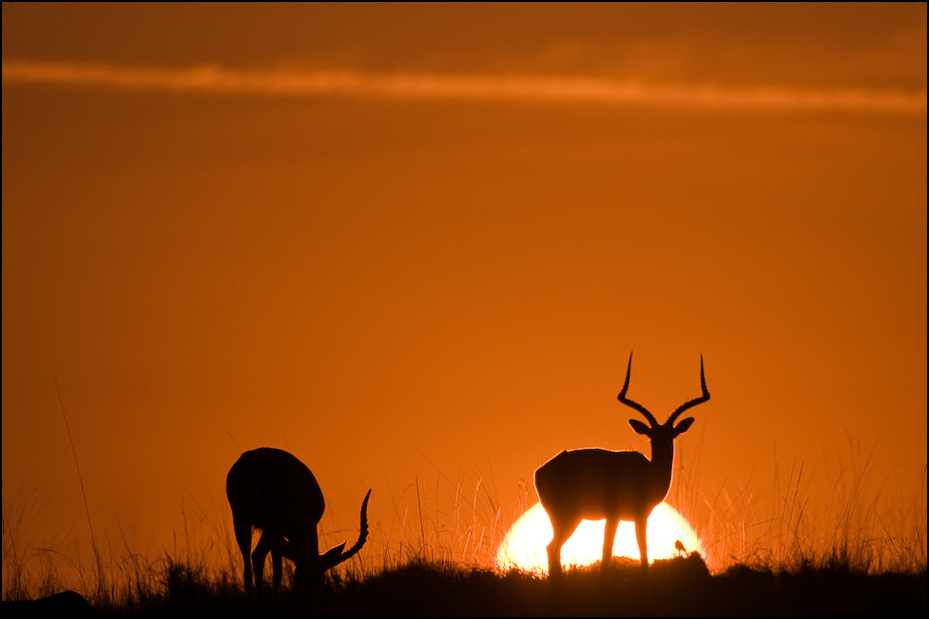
(515, 88)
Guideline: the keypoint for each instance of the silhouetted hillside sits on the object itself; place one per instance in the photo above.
(680, 586)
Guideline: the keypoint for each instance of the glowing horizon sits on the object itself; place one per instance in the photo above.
(524, 546)
(283, 82)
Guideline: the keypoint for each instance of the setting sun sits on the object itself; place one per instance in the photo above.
(524, 544)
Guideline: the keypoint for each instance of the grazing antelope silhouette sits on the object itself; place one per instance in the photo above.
(273, 491)
(617, 485)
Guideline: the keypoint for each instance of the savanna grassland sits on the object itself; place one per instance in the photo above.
(851, 559)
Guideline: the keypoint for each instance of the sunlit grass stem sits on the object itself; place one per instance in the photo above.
(93, 539)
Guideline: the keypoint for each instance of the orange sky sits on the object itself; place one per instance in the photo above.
(407, 242)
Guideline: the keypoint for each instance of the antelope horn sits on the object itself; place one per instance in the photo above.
(622, 398)
(362, 537)
(703, 398)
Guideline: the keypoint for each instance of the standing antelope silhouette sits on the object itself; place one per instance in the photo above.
(271, 490)
(590, 484)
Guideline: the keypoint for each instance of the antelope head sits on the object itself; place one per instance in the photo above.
(662, 435)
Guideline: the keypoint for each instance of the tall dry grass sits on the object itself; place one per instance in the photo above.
(445, 523)
(441, 521)
(457, 524)
(855, 521)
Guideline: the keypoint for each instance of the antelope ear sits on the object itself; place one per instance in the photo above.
(639, 427)
(683, 426)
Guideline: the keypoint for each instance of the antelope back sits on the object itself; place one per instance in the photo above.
(593, 484)
(275, 492)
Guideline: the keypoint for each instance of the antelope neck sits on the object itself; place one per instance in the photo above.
(662, 460)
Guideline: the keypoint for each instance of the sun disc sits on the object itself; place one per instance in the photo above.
(524, 544)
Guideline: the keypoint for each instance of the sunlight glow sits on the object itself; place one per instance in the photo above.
(524, 544)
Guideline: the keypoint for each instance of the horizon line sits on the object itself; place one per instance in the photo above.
(215, 79)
